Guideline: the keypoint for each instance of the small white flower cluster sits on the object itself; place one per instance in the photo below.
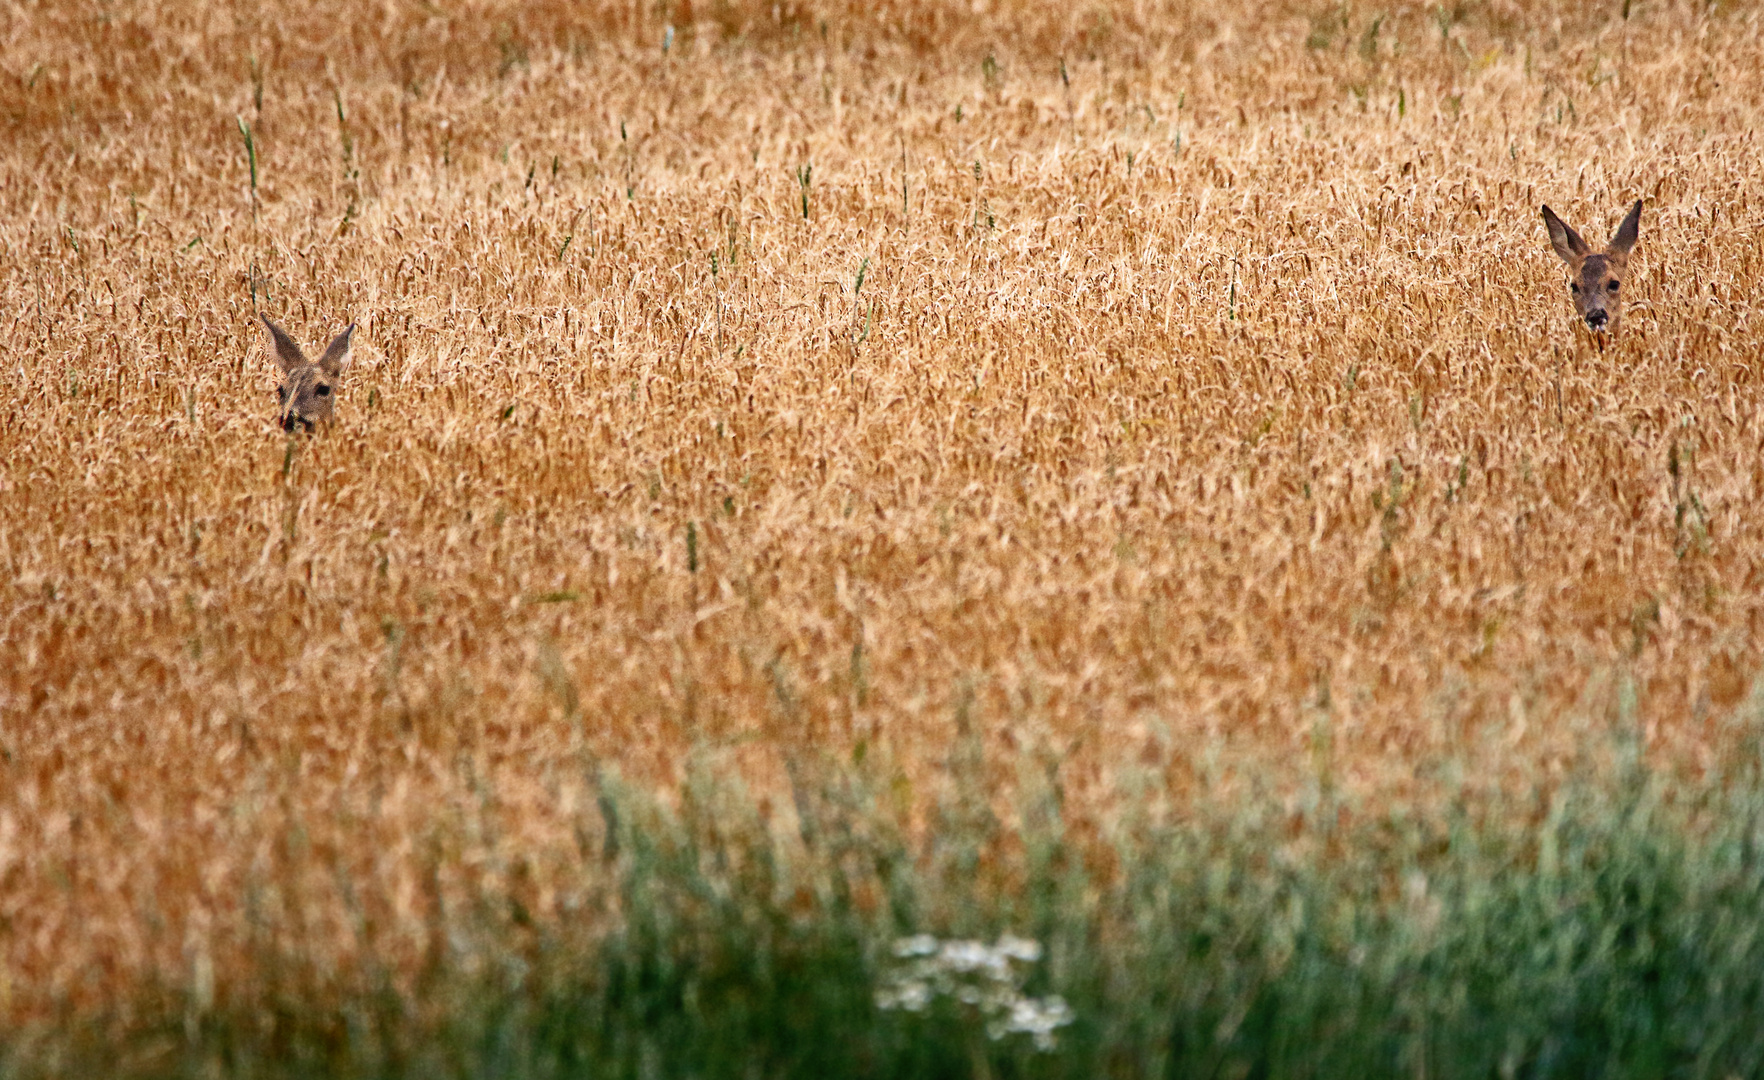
(979, 976)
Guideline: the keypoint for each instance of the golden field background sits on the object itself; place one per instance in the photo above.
(1210, 396)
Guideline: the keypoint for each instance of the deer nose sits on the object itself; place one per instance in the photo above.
(1597, 319)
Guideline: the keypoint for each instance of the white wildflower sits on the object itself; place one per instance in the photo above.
(909, 994)
(982, 978)
(971, 956)
(1038, 1018)
(917, 945)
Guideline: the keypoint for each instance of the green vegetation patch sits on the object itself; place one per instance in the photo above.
(1618, 930)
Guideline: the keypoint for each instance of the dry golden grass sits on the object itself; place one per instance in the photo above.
(1210, 389)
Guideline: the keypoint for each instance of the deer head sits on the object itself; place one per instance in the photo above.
(1596, 280)
(309, 388)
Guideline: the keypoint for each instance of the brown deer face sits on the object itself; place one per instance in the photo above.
(308, 392)
(1596, 278)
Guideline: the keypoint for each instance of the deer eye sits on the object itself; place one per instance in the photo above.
(323, 391)
(1612, 286)
(1576, 288)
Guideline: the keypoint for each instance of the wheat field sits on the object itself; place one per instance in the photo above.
(744, 386)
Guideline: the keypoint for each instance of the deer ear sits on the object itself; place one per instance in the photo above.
(1624, 238)
(288, 354)
(336, 357)
(1568, 244)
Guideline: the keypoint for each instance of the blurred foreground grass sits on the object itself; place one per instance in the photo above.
(1610, 927)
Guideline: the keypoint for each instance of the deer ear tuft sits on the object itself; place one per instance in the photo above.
(288, 354)
(337, 357)
(1568, 244)
(1624, 238)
